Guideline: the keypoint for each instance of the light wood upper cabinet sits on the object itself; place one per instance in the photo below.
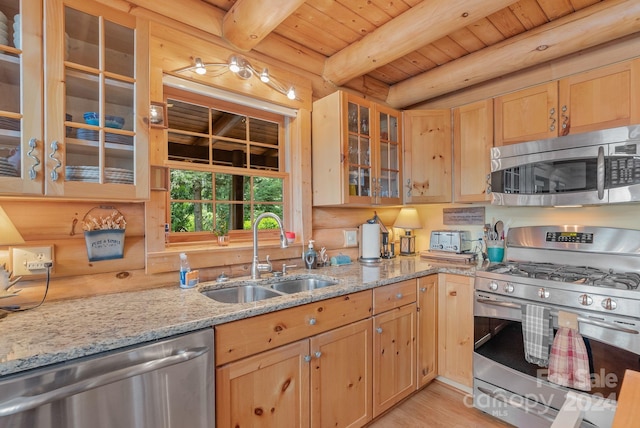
(455, 328)
(602, 98)
(472, 143)
(356, 152)
(427, 154)
(96, 61)
(527, 115)
(427, 330)
(597, 99)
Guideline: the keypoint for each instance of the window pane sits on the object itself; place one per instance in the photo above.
(229, 154)
(191, 217)
(191, 148)
(188, 117)
(190, 185)
(232, 187)
(265, 158)
(261, 131)
(236, 216)
(228, 125)
(268, 222)
(266, 189)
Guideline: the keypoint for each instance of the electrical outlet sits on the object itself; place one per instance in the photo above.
(31, 260)
(351, 238)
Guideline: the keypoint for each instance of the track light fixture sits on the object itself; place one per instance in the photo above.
(242, 68)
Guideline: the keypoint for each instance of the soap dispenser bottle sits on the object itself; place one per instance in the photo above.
(310, 256)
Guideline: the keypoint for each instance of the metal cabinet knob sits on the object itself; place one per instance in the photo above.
(378, 329)
(399, 296)
(307, 358)
(312, 321)
(423, 289)
(609, 304)
(317, 354)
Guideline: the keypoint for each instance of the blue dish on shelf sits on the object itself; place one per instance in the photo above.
(93, 118)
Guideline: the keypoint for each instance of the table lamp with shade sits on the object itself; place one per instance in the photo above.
(408, 220)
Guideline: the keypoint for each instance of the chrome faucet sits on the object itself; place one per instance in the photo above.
(256, 266)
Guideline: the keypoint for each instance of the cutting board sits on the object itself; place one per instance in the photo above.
(448, 257)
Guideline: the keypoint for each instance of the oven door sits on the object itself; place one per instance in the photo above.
(512, 389)
(559, 177)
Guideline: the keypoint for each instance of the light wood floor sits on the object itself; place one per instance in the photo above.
(437, 405)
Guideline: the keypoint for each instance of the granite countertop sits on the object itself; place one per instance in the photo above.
(61, 331)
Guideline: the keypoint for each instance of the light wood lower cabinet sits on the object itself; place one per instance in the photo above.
(394, 344)
(427, 330)
(321, 379)
(455, 328)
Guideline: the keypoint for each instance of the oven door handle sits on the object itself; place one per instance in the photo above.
(591, 321)
(501, 397)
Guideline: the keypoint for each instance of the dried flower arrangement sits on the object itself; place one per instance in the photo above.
(115, 220)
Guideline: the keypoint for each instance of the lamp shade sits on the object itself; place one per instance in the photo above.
(408, 219)
(9, 235)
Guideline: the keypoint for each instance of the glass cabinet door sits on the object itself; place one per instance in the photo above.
(91, 118)
(389, 180)
(359, 149)
(21, 146)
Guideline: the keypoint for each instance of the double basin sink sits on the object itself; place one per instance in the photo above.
(244, 293)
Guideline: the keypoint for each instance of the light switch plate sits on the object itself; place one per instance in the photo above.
(350, 238)
(27, 261)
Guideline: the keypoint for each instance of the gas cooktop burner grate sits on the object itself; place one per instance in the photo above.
(572, 274)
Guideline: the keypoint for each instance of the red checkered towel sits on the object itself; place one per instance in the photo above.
(569, 361)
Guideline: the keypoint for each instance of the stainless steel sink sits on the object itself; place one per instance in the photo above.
(241, 294)
(296, 285)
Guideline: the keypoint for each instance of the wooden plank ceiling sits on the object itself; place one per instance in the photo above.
(409, 51)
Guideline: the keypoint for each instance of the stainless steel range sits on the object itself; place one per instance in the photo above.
(592, 272)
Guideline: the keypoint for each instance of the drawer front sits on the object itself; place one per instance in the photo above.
(239, 339)
(394, 295)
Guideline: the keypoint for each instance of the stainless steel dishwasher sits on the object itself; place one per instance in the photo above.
(168, 383)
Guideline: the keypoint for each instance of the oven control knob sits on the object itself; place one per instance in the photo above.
(585, 300)
(508, 288)
(609, 304)
(543, 293)
(493, 286)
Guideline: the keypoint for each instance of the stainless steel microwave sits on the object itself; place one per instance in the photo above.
(594, 168)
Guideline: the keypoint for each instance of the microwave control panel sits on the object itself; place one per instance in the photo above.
(623, 171)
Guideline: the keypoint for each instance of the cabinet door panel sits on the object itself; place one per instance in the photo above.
(601, 98)
(527, 115)
(427, 153)
(472, 142)
(427, 329)
(394, 353)
(455, 328)
(269, 390)
(341, 376)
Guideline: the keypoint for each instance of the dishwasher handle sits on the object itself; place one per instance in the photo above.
(32, 399)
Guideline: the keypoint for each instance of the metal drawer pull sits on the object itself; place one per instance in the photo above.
(312, 321)
(399, 296)
(591, 321)
(515, 403)
(32, 399)
(32, 146)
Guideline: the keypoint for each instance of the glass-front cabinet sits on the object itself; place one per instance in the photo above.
(77, 130)
(356, 152)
